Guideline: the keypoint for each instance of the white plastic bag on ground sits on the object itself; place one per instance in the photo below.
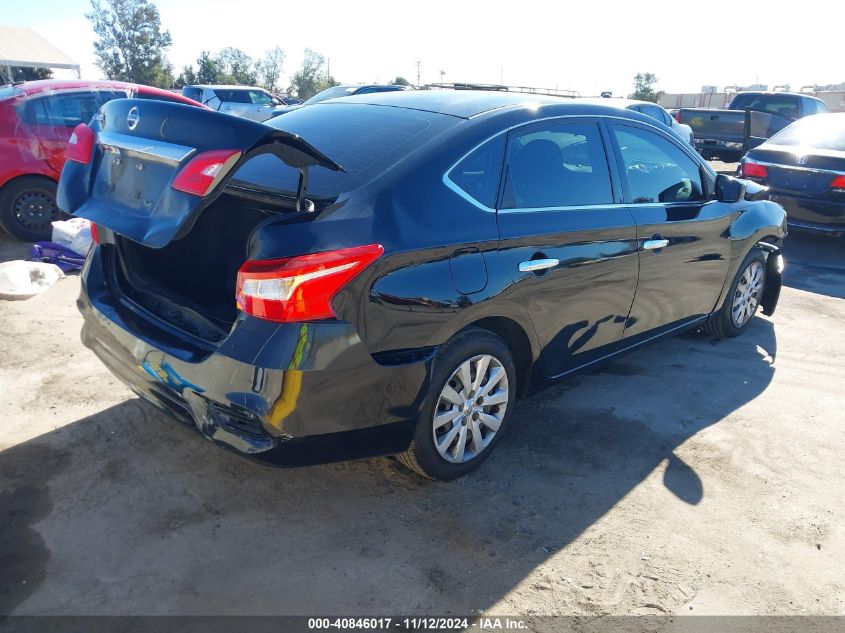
(74, 234)
(22, 280)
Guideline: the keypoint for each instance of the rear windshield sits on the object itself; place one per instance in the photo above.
(365, 140)
(780, 104)
(821, 131)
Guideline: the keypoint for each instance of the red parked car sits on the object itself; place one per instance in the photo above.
(36, 121)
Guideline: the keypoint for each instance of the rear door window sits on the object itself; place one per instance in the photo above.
(557, 165)
(657, 170)
(478, 174)
(655, 112)
(259, 97)
(67, 109)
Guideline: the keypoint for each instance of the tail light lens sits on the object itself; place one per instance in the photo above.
(95, 236)
(204, 171)
(838, 183)
(300, 288)
(80, 146)
(751, 169)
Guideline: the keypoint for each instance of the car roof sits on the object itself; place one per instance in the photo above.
(30, 88)
(459, 103)
(467, 104)
(224, 87)
(617, 102)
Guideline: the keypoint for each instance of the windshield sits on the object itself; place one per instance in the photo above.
(822, 131)
(331, 93)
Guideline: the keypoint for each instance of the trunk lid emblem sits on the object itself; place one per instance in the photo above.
(132, 118)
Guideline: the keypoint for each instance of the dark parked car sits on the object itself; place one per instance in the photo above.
(804, 168)
(751, 118)
(393, 279)
(336, 92)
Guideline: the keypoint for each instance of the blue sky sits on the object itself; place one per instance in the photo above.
(587, 46)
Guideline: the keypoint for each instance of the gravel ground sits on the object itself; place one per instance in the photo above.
(690, 477)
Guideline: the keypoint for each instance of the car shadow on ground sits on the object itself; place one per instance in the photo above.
(12, 248)
(127, 511)
(815, 263)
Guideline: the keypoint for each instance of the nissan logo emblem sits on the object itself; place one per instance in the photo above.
(133, 117)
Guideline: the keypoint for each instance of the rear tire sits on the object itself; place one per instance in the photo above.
(743, 299)
(461, 423)
(28, 206)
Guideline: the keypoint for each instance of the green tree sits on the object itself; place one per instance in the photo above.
(269, 69)
(237, 67)
(312, 77)
(25, 73)
(186, 78)
(209, 70)
(130, 44)
(400, 81)
(644, 87)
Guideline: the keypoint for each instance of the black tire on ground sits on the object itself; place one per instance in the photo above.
(27, 206)
(422, 455)
(721, 324)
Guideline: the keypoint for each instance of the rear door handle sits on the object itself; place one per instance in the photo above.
(651, 245)
(534, 265)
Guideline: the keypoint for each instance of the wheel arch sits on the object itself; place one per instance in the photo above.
(519, 343)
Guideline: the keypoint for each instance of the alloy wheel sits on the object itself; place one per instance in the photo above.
(471, 408)
(747, 295)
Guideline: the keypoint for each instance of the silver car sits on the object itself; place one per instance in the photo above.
(244, 101)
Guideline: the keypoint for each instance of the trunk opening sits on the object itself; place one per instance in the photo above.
(190, 283)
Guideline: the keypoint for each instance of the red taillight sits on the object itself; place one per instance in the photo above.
(204, 171)
(838, 183)
(80, 146)
(95, 237)
(750, 169)
(300, 288)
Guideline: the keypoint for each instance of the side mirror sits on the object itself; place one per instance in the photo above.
(729, 189)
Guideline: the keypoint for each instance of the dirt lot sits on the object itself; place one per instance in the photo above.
(691, 477)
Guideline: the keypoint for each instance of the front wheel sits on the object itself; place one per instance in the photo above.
(743, 299)
(471, 397)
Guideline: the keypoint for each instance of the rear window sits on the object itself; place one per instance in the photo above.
(364, 140)
(780, 104)
(821, 131)
(192, 93)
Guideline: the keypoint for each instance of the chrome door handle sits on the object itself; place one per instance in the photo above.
(537, 264)
(651, 245)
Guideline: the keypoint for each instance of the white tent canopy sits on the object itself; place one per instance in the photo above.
(21, 46)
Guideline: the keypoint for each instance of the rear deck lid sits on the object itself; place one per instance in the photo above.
(156, 165)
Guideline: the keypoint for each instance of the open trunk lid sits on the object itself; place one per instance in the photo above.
(142, 146)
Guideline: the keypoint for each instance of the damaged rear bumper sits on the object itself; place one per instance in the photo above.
(267, 385)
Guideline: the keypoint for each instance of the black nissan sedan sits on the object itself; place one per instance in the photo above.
(392, 272)
(804, 167)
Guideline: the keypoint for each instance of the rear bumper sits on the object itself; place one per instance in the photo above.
(812, 214)
(309, 381)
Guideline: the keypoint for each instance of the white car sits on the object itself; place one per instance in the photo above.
(681, 130)
(244, 101)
